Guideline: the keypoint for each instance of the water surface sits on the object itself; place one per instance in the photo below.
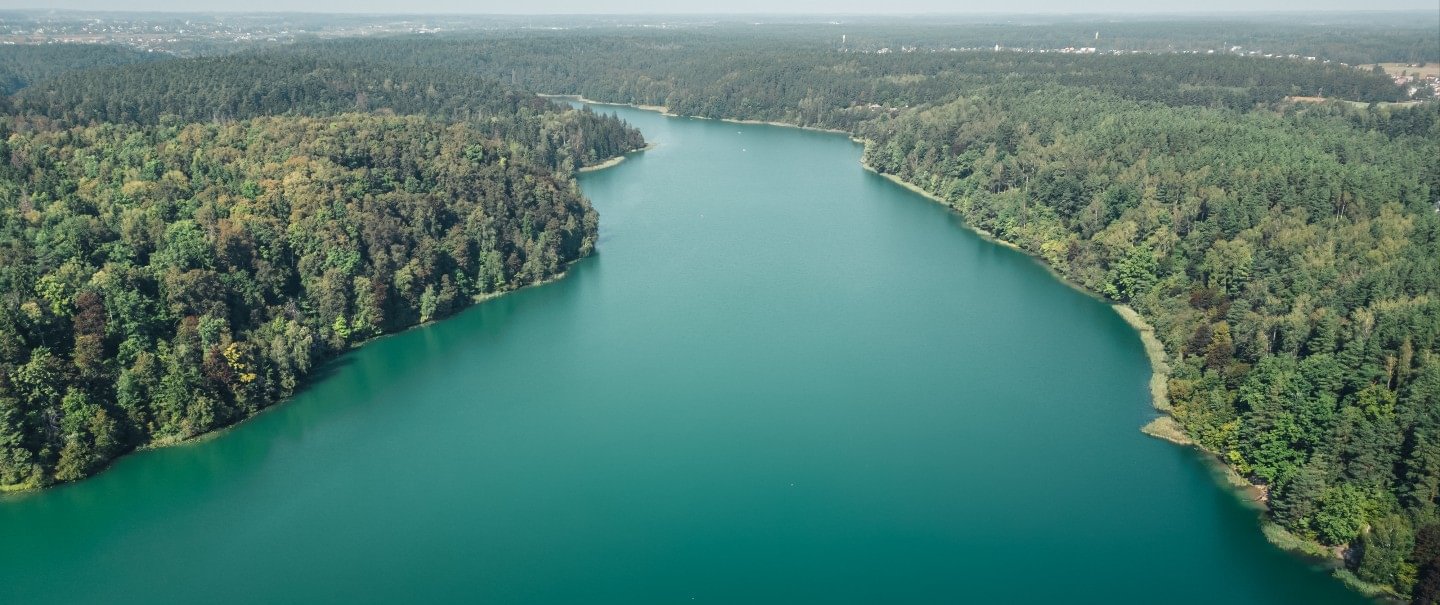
(782, 379)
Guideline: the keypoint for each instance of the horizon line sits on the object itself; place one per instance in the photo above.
(1175, 13)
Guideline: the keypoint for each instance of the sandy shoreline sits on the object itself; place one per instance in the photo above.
(615, 161)
(658, 108)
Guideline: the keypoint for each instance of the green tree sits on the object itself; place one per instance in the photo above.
(1133, 275)
(1341, 514)
(1384, 549)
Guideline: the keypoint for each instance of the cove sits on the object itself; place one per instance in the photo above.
(781, 379)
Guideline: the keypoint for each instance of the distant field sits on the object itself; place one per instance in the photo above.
(1395, 69)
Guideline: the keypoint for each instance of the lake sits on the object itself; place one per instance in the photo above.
(781, 379)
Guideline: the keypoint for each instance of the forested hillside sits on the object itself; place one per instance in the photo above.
(178, 251)
(1289, 255)
(22, 65)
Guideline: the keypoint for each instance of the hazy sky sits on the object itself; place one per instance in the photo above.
(723, 6)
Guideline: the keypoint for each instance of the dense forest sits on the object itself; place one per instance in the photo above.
(1288, 254)
(776, 78)
(250, 85)
(184, 240)
(22, 65)
(178, 251)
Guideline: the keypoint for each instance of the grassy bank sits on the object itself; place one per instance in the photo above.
(1165, 427)
(1159, 362)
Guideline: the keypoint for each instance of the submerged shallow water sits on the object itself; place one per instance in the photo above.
(782, 379)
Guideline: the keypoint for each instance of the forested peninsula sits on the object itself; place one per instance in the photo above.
(183, 241)
(1287, 253)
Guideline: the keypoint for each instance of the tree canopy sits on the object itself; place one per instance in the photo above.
(178, 251)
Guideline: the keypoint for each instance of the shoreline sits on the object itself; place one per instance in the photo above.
(665, 111)
(1164, 426)
(615, 161)
(1154, 349)
(581, 98)
(1159, 361)
(780, 124)
(22, 489)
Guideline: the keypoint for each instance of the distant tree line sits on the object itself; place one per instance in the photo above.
(714, 75)
(23, 64)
